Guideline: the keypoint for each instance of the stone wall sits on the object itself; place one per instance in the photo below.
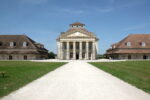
(21, 57)
(133, 56)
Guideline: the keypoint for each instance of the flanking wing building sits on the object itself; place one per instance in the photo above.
(21, 47)
(77, 43)
(134, 46)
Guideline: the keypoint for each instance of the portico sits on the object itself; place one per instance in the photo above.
(77, 44)
(77, 50)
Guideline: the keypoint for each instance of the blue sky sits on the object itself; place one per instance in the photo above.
(43, 20)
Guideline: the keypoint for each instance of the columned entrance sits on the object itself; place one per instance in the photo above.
(77, 43)
(77, 56)
(83, 50)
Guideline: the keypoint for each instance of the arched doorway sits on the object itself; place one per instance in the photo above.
(77, 56)
(10, 57)
(25, 57)
(145, 57)
(129, 56)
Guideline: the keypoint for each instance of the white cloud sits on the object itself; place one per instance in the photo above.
(111, 1)
(111, 6)
(106, 10)
(136, 27)
(70, 11)
(33, 1)
(128, 5)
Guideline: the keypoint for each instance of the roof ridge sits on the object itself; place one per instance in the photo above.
(120, 42)
(140, 34)
(12, 34)
(77, 23)
(31, 41)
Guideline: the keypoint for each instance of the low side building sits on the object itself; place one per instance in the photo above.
(21, 47)
(134, 46)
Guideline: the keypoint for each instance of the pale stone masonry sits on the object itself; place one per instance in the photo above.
(77, 43)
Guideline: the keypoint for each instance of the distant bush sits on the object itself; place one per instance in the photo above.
(99, 56)
(51, 55)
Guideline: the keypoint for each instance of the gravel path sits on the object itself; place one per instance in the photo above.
(78, 80)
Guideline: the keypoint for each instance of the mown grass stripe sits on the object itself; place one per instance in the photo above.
(136, 73)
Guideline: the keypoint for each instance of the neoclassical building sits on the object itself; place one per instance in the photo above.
(77, 43)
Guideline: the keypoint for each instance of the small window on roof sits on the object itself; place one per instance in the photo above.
(74, 26)
(143, 44)
(128, 44)
(12, 44)
(114, 46)
(25, 44)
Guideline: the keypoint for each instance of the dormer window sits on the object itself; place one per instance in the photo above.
(77, 25)
(25, 44)
(74, 26)
(143, 44)
(42, 46)
(80, 26)
(1, 43)
(12, 44)
(128, 44)
(114, 46)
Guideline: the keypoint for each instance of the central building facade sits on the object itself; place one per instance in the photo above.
(77, 43)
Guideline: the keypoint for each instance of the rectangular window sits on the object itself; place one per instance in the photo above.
(10, 57)
(11, 44)
(25, 57)
(24, 44)
(128, 44)
(143, 44)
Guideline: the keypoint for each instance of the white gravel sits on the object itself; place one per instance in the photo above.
(57, 60)
(78, 80)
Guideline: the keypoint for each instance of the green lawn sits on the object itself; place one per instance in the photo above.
(19, 73)
(136, 73)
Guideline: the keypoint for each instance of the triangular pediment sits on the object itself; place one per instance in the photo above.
(77, 31)
(77, 34)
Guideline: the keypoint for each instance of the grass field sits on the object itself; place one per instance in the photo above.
(19, 73)
(136, 73)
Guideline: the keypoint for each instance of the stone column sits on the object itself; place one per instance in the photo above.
(61, 50)
(74, 50)
(80, 51)
(68, 51)
(58, 50)
(87, 50)
(93, 52)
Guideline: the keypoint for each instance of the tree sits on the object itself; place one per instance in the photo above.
(101, 56)
(51, 55)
